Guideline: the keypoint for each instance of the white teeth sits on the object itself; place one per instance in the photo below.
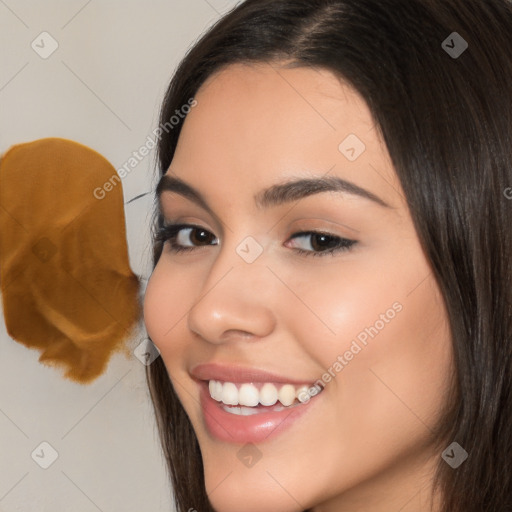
(302, 394)
(230, 394)
(218, 390)
(287, 394)
(268, 394)
(241, 411)
(215, 388)
(247, 395)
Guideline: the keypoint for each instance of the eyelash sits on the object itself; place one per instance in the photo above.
(170, 232)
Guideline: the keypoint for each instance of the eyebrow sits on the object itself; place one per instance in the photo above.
(274, 195)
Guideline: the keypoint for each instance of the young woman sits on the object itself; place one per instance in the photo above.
(332, 291)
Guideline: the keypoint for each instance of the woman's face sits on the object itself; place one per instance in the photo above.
(274, 291)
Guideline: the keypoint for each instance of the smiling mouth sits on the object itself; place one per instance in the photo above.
(245, 399)
(256, 407)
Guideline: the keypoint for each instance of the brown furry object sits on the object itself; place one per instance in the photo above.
(67, 286)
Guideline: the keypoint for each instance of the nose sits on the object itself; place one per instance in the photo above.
(235, 302)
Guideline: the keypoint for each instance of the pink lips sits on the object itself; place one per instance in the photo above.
(225, 373)
(255, 428)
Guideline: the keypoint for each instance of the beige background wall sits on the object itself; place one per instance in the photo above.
(102, 87)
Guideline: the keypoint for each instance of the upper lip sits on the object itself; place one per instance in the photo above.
(238, 374)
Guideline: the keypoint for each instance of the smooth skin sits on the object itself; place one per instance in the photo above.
(365, 446)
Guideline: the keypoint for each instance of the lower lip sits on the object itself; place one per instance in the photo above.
(255, 428)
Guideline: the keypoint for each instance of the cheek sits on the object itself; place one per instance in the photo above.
(374, 307)
(396, 385)
(354, 300)
(165, 305)
(412, 362)
(379, 330)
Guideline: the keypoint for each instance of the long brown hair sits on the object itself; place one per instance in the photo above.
(446, 118)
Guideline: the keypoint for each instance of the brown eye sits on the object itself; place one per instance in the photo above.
(184, 237)
(323, 243)
(199, 236)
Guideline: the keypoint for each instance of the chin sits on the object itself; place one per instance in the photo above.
(253, 492)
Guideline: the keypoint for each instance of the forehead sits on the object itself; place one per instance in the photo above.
(255, 124)
(251, 95)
